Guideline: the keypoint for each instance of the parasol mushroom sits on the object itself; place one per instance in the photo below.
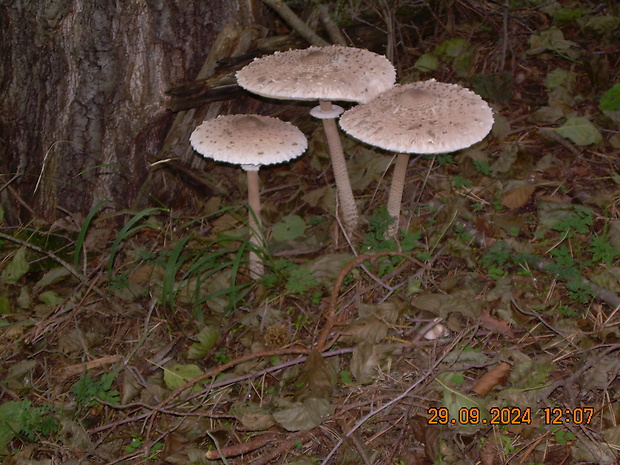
(324, 74)
(249, 141)
(423, 117)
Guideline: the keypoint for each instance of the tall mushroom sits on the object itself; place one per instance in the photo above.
(249, 141)
(324, 74)
(423, 117)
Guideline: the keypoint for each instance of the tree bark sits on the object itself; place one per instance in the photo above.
(82, 94)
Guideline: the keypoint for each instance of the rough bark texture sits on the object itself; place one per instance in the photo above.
(81, 93)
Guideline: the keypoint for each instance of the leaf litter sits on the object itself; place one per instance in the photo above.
(157, 347)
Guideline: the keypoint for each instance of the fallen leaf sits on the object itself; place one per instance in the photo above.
(518, 196)
(580, 131)
(315, 379)
(368, 358)
(495, 325)
(17, 267)
(178, 375)
(491, 379)
(304, 416)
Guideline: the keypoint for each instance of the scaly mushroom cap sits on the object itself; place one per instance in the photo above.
(319, 73)
(422, 117)
(248, 140)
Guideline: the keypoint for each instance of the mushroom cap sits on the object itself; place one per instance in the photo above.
(422, 117)
(319, 73)
(248, 140)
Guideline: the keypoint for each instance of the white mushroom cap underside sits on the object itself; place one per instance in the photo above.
(248, 140)
(319, 73)
(422, 117)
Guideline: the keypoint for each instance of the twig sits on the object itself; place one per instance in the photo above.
(331, 319)
(330, 26)
(560, 140)
(401, 396)
(216, 371)
(158, 409)
(542, 320)
(592, 361)
(282, 448)
(253, 444)
(296, 23)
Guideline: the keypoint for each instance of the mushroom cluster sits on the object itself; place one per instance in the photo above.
(324, 74)
(250, 141)
(423, 117)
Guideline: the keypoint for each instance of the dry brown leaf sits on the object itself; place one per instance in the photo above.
(518, 197)
(315, 378)
(491, 379)
(493, 324)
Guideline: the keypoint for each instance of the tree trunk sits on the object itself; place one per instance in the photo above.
(82, 94)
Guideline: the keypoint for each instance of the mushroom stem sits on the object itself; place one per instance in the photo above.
(396, 191)
(257, 269)
(343, 185)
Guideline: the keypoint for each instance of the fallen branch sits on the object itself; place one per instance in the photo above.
(283, 448)
(331, 26)
(253, 444)
(296, 23)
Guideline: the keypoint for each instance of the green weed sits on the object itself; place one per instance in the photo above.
(482, 167)
(88, 390)
(579, 222)
(20, 419)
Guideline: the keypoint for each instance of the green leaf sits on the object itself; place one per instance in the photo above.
(5, 305)
(452, 47)
(327, 267)
(300, 280)
(580, 131)
(290, 227)
(205, 340)
(610, 100)
(426, 63)
(53, 276)
(366, 168)
(304, 416)
(179, 375)
(12, 415)
(550, 40)
(252, 416)
(50, 298)
(455, 401)
(16, 268)
(494, 87)
(600, 25)
(556, 78)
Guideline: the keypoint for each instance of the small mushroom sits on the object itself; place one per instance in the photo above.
(423, 117)
(249, 141)
(324, 74)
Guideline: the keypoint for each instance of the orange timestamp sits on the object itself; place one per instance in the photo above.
(509, 416)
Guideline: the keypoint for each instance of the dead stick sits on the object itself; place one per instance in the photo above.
(284, 447)
(330, 313)
(296, 23)
(242, 448)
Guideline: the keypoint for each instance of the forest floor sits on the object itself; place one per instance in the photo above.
(488, 332)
